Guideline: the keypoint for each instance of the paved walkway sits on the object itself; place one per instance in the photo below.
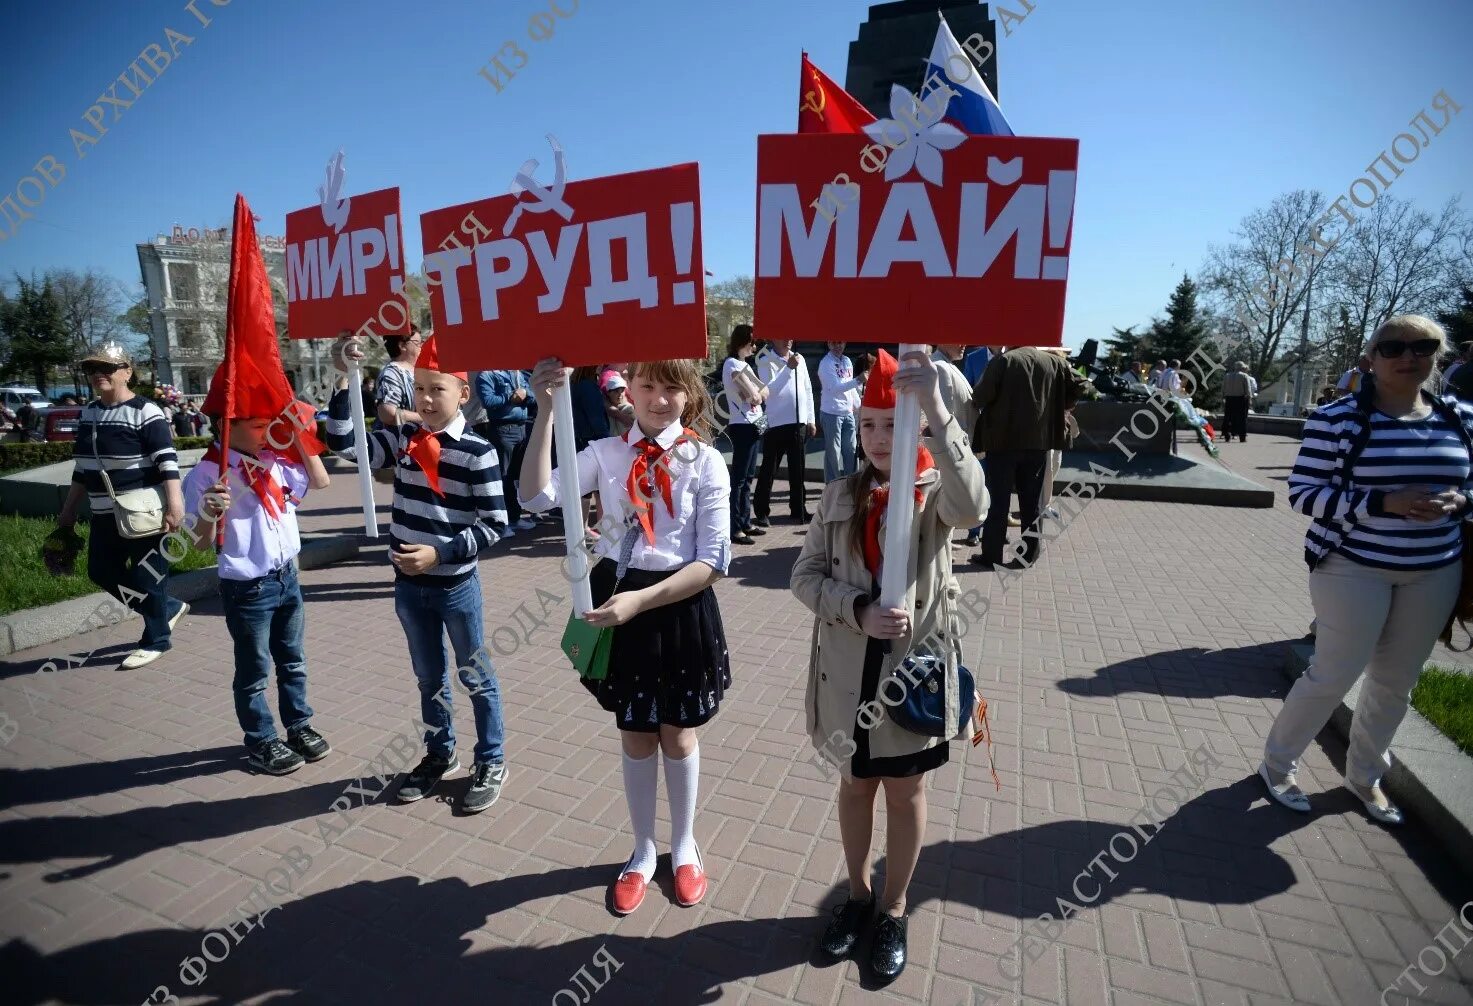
(128, 829)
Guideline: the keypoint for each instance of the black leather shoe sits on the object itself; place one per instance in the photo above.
(742, 538)
(755, 530)
(850, 918)
(761, 522)
(803, 518)
(887, 950)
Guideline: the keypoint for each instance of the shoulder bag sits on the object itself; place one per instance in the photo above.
(589, 646)
(139, 512)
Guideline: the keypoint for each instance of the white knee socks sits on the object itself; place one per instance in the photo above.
(641, 778)
(682, 778)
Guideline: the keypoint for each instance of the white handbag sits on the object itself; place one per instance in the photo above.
(139, 512)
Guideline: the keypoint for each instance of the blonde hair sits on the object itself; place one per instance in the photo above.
(685, 374)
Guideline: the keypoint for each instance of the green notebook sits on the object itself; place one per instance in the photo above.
(588, 646)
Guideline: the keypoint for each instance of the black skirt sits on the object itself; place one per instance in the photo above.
(668, 666)
(861, 765)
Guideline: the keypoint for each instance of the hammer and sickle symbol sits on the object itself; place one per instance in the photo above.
(815, 107)
(546, 198)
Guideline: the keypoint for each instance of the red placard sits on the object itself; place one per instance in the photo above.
(619, 279)
(979, 260)
(341, 276)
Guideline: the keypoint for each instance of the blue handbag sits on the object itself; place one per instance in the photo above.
(922, 677)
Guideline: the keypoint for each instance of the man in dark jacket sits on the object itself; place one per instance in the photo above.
(505, 396)
(1020, 405)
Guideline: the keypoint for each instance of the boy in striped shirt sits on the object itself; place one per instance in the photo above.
(448, 506)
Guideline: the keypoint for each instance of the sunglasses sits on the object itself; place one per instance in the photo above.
(1393, 348)
(107, 369)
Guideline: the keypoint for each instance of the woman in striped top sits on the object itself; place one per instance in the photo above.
(130, 437)
(1384, 473)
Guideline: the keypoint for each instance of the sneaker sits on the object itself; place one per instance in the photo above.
(426, 776)
(526, 524)
(850, 918)
(183, 610)
(308, 743)
(273, 757)
(138, 658)
(486, 781)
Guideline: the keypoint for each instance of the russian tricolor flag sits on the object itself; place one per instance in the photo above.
(972, 107)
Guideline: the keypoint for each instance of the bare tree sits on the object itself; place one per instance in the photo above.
(1395, 259)
(1246, 283)
(741, 289)
(91, 303)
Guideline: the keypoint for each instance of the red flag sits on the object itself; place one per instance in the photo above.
(250, 381)
(825, 107)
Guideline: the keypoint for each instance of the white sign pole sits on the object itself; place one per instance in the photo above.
(360, 449)
(900, 513)
(567, 474)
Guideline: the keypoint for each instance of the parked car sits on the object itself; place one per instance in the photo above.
(13, 396)
(61, 422)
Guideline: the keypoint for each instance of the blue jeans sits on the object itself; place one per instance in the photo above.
(115, 562)
(428, 613)
(265, 618)
(744, 441)
(838, 445)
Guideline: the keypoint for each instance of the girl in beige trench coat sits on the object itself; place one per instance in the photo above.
(856, 643)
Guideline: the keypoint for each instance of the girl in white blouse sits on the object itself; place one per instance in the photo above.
(668, 666)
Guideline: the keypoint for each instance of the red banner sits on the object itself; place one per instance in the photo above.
(604, 269)
(343, 273)
(979, 260)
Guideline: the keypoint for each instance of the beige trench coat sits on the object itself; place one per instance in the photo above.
(830, 577)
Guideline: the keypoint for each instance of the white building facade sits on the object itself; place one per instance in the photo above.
(186, 274)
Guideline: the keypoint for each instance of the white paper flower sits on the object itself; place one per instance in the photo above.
(921, 136)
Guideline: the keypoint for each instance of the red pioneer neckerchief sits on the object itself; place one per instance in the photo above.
(641, 493)
(261, 482)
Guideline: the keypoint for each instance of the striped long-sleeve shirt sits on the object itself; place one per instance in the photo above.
(1353, 456)
(469, 517)
(133, 441)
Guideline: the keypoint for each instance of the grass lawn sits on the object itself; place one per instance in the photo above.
(25, 582)
(1446, 699)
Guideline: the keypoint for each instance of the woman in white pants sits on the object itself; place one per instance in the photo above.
(1385, 475)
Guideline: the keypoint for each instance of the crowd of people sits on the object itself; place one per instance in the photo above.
(1384, 473)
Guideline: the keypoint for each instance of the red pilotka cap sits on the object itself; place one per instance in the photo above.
(429, 359)
(879, 388)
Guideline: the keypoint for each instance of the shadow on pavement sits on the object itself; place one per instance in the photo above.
(1246, 671)
(772, 568)
(113, 839)
(73, 782)
(403, 941)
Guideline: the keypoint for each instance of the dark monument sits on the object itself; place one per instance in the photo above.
(896, 40)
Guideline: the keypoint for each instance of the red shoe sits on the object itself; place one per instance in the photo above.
(629, 892)
(690, 883)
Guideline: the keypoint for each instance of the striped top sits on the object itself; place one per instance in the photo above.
(1353, 456)
(135, 444)
(469, 517)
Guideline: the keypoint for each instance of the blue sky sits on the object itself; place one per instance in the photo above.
(1189, 114)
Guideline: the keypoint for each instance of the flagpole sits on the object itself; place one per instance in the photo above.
(567, 474)
(900, 512)
(360, 449)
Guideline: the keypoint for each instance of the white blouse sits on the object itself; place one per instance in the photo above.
(700, 493)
